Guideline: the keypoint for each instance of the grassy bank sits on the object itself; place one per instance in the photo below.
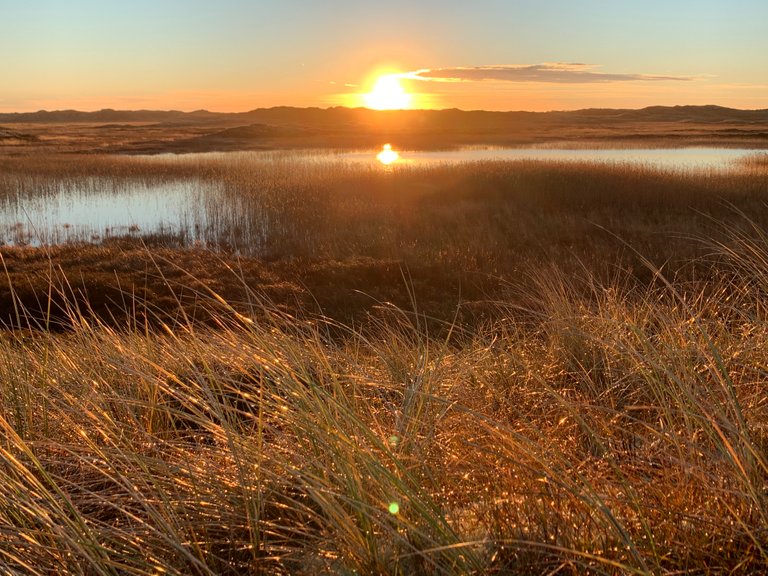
(614, 429)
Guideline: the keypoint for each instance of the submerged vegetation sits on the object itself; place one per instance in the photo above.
(489, 368)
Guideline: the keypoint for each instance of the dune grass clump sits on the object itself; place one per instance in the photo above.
(590, 426)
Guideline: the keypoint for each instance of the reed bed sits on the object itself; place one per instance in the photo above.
(484, 216)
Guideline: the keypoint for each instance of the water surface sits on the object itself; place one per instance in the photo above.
(706, 158)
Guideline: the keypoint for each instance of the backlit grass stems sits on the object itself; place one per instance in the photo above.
(609, 429)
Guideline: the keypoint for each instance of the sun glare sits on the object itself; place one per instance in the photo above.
(387, 156)
(388, 94)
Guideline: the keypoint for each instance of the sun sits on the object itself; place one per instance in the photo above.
(388, 94)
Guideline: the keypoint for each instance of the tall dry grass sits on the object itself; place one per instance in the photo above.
(486, 217)
(607, 428)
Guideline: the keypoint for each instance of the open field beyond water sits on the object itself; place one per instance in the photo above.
(497, 367)
(282, 127)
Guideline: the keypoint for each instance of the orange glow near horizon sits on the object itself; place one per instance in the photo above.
(386, 88)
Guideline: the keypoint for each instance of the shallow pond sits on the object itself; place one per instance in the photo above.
(100, 210)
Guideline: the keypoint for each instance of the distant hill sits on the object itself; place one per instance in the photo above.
(338, 117)
(106, 115)
(242, 137)
(284, 127)
(697, 114)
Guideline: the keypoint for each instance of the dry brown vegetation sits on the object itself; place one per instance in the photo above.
(338, 238)
(590, 397)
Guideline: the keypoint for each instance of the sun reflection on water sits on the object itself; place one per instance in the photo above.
(387, 156)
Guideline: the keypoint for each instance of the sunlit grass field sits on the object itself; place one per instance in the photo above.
(497, 368)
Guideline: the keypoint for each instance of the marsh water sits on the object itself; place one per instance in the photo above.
(195, 210)
(666, 158)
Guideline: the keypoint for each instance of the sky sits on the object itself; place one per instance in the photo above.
(237, 55)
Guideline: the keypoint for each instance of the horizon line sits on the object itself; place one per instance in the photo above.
(363, 108)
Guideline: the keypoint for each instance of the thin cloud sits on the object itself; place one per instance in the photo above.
(553, 73)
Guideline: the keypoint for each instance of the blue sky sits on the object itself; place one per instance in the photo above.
(238, 55)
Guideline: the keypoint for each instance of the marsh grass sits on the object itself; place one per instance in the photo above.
(487, 217)
(611, 429)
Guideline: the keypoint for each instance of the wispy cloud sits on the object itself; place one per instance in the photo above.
(553, 72)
